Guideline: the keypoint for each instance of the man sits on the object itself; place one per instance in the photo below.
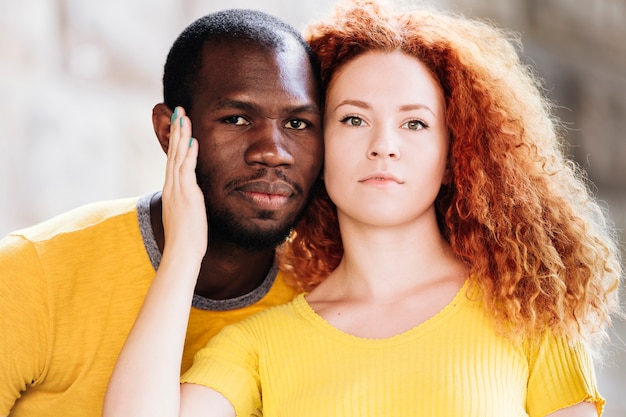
(71, 287)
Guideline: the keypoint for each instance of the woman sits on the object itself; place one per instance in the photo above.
(473, 271)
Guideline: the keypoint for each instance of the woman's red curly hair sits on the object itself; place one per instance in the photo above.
(516, 211)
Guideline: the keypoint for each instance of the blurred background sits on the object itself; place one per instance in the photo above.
(79, 78)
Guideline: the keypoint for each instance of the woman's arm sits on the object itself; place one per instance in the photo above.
(582, 409)
(145, 381)
(198, 400)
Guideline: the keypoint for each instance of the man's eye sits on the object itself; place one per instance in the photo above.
(296, 124)
(236, 121)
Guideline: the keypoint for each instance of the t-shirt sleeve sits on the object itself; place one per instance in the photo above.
(229, 365)
(24, 319)
(560, 375)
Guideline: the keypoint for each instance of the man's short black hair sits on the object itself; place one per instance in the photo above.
(184, 61)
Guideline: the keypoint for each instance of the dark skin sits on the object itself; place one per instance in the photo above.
(257, 120)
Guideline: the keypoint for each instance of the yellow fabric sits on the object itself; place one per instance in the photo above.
(70, 292)
(452, 365)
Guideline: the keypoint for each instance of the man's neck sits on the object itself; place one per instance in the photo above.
(229, 273)
(227, 270)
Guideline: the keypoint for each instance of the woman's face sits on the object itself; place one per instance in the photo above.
(386, 142)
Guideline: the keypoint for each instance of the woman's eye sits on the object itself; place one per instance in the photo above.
(353, 121)
(415, 125)
(236, 121)
(296, 124)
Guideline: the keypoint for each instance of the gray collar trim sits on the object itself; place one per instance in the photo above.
(199, 302)
(245, 300)
(145, 226)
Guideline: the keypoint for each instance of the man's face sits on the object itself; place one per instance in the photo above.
(257, 119)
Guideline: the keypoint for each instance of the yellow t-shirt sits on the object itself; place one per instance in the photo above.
(452, 365)
(70, 290)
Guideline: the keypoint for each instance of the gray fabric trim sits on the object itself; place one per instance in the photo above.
(238, 302)
(199, 302)
(145, 226)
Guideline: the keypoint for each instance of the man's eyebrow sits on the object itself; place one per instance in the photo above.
(235, 104)
(306, 108)
(248, 106)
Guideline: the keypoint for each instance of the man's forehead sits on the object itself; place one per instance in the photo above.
(257, 67)
(247, 76)
(249, 103)
(235, 46)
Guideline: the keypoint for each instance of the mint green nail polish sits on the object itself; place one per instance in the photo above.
(174, 115)
(191, 142)
(181, 122)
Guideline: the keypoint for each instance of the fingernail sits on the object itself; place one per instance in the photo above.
(174, 115)
(181, 122)
(191, 142)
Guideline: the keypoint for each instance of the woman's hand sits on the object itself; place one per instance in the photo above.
(184, 211)
(148, 366)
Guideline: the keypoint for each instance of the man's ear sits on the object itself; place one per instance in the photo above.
(161, 120)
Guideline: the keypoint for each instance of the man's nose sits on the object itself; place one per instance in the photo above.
(270, 145)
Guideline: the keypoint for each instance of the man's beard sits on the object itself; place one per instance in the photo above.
(227, 227)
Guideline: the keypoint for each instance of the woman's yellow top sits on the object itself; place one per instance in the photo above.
(454, 364)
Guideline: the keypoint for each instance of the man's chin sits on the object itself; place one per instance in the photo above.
(250, 238)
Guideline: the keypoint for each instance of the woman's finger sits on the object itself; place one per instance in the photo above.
(184, 214)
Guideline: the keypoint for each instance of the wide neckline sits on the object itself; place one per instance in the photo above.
(460, 299)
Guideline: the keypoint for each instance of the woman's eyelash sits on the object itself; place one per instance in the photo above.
(356, 121)
(352, 120)
(416, 124)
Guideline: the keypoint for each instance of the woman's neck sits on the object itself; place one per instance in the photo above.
(385, 262)
(390, 280)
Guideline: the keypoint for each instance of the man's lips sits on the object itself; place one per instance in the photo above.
(267, 194)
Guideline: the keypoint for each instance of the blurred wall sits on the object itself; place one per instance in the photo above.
(78, 79)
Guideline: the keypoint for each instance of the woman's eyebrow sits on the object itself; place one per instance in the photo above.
(357, 103)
